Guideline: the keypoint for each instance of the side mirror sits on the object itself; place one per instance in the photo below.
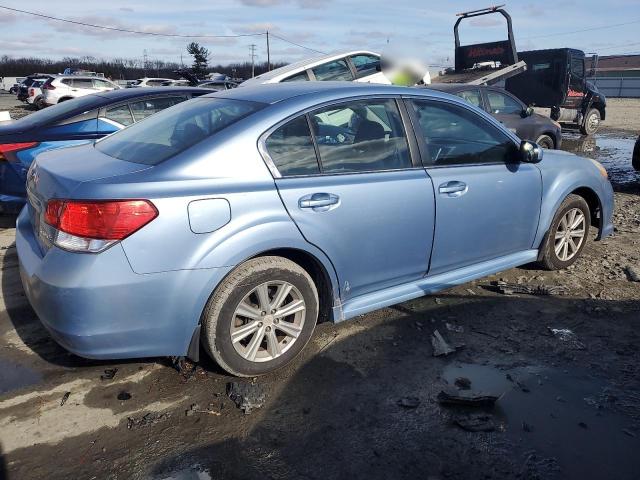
(530, 152)
(527, 112)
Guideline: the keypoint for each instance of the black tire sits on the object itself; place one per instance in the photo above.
(591, 122)
(550, 260)
(635, 161)
(546, 141)
(219, 313)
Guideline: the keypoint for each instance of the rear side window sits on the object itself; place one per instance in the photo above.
(120, 114)
(82, 83)
(291, 149)
(501, 103)
(175, 129)
(148, 107)
(456, 136)
(360, 136)
(366, 65)
(471, 96)
(337, 70)
(298, 77)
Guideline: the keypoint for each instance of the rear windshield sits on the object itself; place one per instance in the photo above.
(175, 129)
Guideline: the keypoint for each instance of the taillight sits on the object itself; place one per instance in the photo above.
(48, 86)
(91, 226)
(15, 147)
(32, 92)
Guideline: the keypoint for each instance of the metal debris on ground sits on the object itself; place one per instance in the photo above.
(409, 402)
(633, 274)
(440, 345)
(476, 422)
(195, 408)
(108, 374)
(147, 419)
(65, 397)
(122, 396)
(451, 396)
(511, 288)
(246, 396)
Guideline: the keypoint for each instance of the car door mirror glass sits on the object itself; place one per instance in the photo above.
(530, 152)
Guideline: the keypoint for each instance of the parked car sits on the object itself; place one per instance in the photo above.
(35, 96)
(240, 218)
(23, 90)
(218, 84)
(176, 83)
(358, 66)
(149, 82)
(510, 111)
(14, 89)
(636, 155)
(75, 122)
(65, 87)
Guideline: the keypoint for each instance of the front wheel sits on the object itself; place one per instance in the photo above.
(545, 141)
(591, 122)
(568, 234)
(260, 317)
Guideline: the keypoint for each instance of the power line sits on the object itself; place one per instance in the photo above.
(584, 30)
(296, 44)
(116, 29)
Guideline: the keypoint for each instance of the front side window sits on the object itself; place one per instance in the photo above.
(150, 106)
(456, 136)
(291, 148)
(298, 77)
(82, 83)
(119, 114)
(360, 136)
(337, 70)
(175, 129)
(471, 96)
(366, 65)
(501, 103)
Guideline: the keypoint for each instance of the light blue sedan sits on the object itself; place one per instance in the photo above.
(240, 219)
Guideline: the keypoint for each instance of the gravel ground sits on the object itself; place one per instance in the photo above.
(362, 401)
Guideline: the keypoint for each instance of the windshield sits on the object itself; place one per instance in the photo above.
(175, 129)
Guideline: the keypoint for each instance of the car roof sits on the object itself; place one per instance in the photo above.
(127, 93)
(276, 92)
(306, 63)
(451, 87)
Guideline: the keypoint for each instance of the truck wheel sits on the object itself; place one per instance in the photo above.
(545, 141)
(568, 234)
(591, 122)
(260, 317)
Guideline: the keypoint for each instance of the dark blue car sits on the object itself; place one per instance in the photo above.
(74, 122)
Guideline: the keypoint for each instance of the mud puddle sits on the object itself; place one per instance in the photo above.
(14, 376)
(612, 149)
(567, 417)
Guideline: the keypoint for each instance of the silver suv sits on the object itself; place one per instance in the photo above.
(65, 87)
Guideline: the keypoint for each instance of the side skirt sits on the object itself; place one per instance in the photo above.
(408, 291)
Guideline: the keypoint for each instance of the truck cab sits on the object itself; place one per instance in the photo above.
(557, 79)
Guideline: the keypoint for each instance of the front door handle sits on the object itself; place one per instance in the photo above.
(319, 202)
(453, 188)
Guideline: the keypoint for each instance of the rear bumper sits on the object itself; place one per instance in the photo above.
(95, 306)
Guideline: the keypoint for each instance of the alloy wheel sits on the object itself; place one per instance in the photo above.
(570, 234)
(268, 321)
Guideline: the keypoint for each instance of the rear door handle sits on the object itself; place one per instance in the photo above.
(453, 188)
(319, 202)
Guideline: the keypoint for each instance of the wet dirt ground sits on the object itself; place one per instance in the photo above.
(361, 401)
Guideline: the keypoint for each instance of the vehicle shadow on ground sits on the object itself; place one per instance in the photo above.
(339, 414)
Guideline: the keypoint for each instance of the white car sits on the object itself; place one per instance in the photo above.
(151, 82)
(65, 87)
(358, 66)
(35, 96)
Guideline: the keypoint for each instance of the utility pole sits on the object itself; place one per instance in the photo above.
(268, 54)
(144, 54)
(252, 48)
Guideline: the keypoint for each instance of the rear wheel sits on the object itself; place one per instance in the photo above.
(545, 141)
(568, 234)
(591, 122)
(261, 316)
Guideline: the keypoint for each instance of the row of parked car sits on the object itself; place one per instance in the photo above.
(238, 219)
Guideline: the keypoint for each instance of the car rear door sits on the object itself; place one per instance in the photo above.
(487, 203)
(355, 190)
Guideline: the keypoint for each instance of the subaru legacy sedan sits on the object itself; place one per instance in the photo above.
(240, 219)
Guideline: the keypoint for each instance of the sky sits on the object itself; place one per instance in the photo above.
(422, 28)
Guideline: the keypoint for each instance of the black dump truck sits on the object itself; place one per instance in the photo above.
(557, 79)
(554, 79)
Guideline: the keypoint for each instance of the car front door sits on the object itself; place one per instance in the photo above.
(505, 108)
(356, 190)
(487, 203)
